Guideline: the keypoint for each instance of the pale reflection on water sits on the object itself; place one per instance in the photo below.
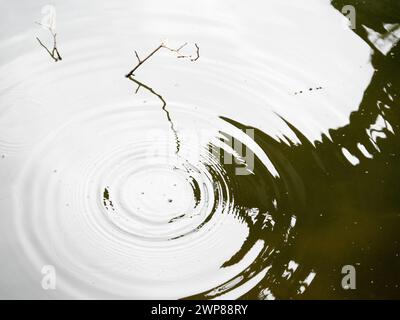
(128, 195)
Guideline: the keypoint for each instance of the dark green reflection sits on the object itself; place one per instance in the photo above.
(346, 214)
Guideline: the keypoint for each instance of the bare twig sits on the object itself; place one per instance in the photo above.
(137, 89)
(162, 45)
(54, 52)
(140, 62)
(164, 105)
(137, 56)
(177, 50)
(131, 76)
(197, 53)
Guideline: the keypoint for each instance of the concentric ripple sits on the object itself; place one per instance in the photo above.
(139, 202)
(200, 197)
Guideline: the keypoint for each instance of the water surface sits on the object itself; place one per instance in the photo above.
(257, 171)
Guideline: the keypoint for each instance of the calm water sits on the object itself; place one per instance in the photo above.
(256, 172)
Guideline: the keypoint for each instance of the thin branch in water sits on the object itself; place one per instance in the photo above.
(137, 89)
(191, 56)
(54, 52)
(139, 84)
(140, 62)
(197, 53)
(176, 50)
(164, 105)
(137, 56)
(162, 45)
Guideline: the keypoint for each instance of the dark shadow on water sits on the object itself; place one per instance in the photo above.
(346, 214)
